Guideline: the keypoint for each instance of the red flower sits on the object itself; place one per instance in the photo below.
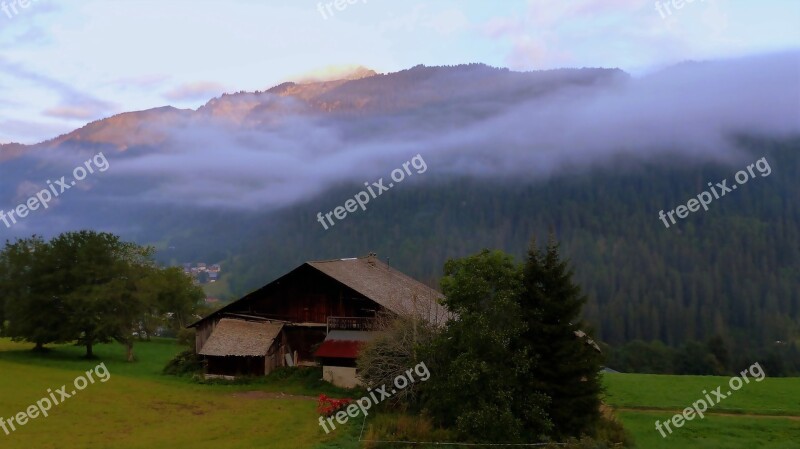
(328, 406)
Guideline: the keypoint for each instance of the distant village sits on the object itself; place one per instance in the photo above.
(202, 273)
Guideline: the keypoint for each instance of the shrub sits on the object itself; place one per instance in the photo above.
(392, 352)
(611, 431)
(401, 427)
(185, 363)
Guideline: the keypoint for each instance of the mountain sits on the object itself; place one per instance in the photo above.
(591, 154)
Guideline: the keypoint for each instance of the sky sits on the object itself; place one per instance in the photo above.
(64, 64)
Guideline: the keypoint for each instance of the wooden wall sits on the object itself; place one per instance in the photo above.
(306, 295)
(275, 356)
(204, 331)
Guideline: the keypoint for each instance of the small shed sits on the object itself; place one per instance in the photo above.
(238, 347)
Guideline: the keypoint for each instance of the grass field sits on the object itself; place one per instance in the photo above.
(764, 415)
(141, 408)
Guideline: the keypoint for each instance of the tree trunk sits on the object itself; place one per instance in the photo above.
(129, 351)
(39, 347)
(89, 352)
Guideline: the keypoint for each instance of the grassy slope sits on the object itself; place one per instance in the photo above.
(139, 408)
(730, 425)
(714, 432)
(771, 396)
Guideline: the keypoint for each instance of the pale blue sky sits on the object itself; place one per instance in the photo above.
(65, 63)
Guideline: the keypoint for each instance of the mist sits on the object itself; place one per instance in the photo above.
(266, 152)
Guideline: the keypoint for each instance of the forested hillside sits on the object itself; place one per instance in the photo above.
(732, 271)
(590, 154)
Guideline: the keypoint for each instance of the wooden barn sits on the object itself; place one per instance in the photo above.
(326, 306)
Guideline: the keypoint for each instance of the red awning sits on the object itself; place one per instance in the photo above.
(341, 349)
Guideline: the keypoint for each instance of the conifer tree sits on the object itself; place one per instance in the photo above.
(569, 364)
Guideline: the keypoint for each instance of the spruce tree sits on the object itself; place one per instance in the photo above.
(568, 370)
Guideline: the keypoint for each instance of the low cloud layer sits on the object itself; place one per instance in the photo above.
(287, 153)
(194, 91)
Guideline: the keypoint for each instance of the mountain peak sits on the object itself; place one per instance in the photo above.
(336, 73)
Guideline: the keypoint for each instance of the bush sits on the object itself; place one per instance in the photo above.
(609, 434)
(392, 352)
(399, 427)
(185, 363)
(403, 427)
(610, 430)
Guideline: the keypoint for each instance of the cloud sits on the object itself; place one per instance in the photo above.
(334, 73)
(78, 112)
(24, 27)
(601, 32)
(528, 53)
(68, 93)
(690, 112)
(202, 90)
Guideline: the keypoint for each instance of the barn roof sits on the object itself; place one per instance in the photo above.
(241, 338)
(344, 344)
(388, 287)
(375, 280)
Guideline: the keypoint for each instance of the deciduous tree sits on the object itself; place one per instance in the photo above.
(477, 361)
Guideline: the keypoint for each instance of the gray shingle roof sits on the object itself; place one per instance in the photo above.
(241, 338)
(375, 280)
(388, 287)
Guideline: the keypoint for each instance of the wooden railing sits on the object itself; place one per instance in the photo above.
(350, 323)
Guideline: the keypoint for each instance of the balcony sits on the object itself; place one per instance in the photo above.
(350, 323)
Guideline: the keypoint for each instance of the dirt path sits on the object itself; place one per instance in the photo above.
(709, 412)
(260, 395)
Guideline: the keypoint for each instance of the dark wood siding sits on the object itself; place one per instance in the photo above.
(306, 296)
(204, 331)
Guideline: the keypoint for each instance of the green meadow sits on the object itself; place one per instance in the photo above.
(764, 415)
(138, 407)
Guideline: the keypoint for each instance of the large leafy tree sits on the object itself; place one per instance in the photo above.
(169, 299)
(176, 299)
(476, 362)
(97, 274)
(569, 363)
(90, 287)
(35, 312)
